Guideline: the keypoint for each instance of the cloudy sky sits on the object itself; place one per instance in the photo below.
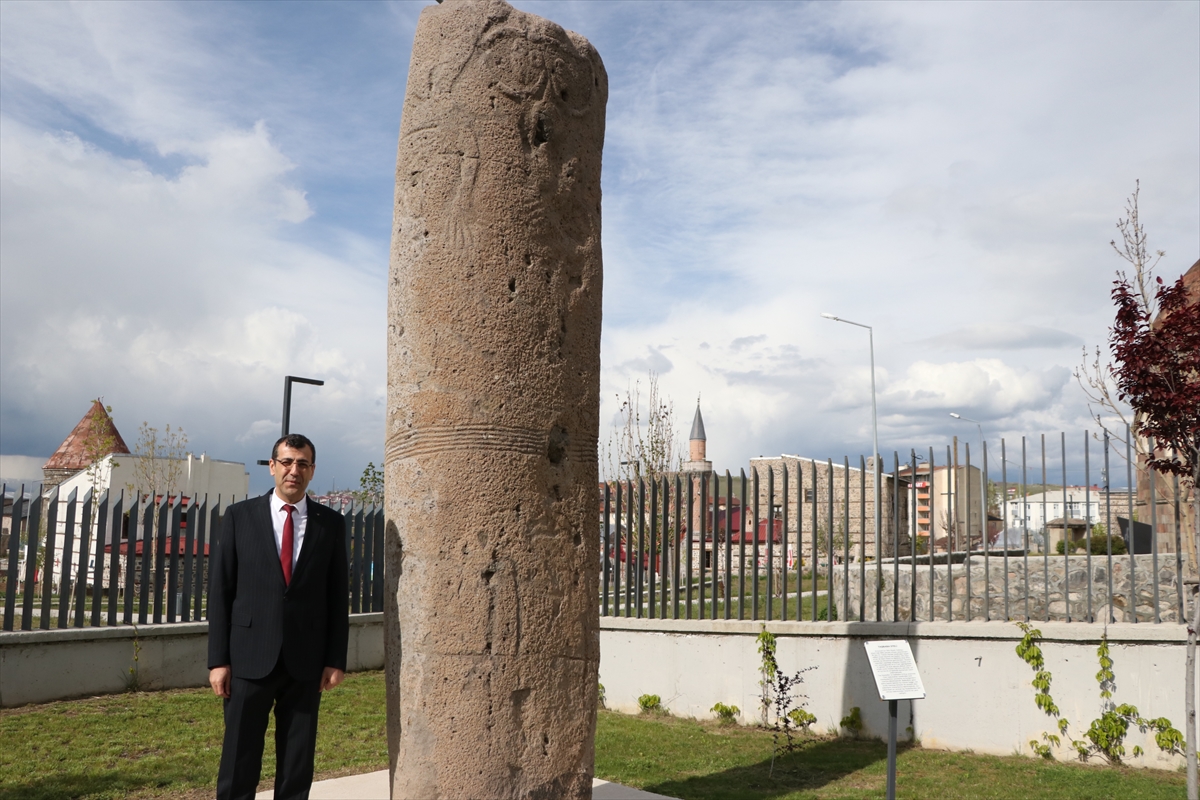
(195, 199)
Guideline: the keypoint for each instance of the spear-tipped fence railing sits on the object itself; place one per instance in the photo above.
(962, 539)
(788, 538)
(125, 558)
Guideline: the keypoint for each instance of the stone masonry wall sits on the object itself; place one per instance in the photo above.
(1064, 586)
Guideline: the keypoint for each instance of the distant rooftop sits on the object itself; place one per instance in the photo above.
(72, 453)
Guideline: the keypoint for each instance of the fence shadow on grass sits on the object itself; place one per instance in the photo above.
(815, 764)
(108, 783)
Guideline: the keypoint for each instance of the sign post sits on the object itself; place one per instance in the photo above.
(896, 679)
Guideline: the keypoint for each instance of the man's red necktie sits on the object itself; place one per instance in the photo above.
(285, 552)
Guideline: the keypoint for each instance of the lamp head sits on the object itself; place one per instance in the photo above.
(829, 316)
(956, 416)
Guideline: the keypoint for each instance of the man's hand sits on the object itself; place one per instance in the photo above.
(331, 678)
(218, 679)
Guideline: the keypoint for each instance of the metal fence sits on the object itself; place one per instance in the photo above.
(788, 538)
(126, 558)
(792, 538)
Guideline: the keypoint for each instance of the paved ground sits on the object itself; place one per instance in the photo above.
(374, 786)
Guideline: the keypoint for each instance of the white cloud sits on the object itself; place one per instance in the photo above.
(181, 298)
(259, 429)
(17, 470)
(986, 386)
(1004, 337)
(654, 361)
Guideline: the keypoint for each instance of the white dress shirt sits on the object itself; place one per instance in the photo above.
(299, 522)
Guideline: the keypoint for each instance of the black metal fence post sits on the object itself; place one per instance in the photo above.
(742, 549)
(17, 528)
(1129, 486)
(757, 523)
(618, 552)
(33, 533)
(174, 534)
(47, 570)
(606, 549)
(114, 556)
(769, 529)
(85, 540)
(639, 597)
(160, 555)
(65, 583)
(728, 545)
(669, 546)
(1087, 533)
(653, 561)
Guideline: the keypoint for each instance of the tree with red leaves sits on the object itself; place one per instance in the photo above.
(1158, 374)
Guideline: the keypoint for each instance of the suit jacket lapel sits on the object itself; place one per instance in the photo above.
(267, 525)
(312, 533)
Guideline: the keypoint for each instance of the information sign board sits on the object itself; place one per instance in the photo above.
(895, 670)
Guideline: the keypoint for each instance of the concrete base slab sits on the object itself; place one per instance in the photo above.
(374, 786)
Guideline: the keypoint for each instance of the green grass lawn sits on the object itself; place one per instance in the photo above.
(745, 606)
(703, 760)
(167, 744)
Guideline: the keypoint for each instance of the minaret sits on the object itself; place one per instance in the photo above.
(697, 446)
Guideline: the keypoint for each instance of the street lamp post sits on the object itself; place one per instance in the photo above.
(288, 380)
(874, 432)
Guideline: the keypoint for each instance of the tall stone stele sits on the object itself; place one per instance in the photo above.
(493, 410)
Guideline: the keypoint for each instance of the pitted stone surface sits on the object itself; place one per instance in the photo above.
(493, 409)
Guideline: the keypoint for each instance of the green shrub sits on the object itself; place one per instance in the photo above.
(725, 713)
(802, 719)
(1106, 735)
(1099, 546)
(651, 704)
(853, 721)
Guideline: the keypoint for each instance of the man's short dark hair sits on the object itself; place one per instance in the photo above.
(296, 441)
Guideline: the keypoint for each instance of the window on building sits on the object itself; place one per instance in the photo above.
(809, 495)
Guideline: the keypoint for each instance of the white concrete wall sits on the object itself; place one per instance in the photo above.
(979, 692)
(198, 476)
(40, 666)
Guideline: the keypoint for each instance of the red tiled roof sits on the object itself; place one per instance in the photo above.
(72, 453)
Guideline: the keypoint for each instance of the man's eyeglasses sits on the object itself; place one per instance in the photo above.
(287, 463)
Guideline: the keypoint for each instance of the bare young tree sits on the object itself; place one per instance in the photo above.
(157, 467)
(1095, 373)
(645, 445)
(158, 461)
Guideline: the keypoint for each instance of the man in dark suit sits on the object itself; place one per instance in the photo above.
(278, 622)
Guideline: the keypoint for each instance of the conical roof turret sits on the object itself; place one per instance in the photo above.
(697, 434)
(72, 455)
(697, 445)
